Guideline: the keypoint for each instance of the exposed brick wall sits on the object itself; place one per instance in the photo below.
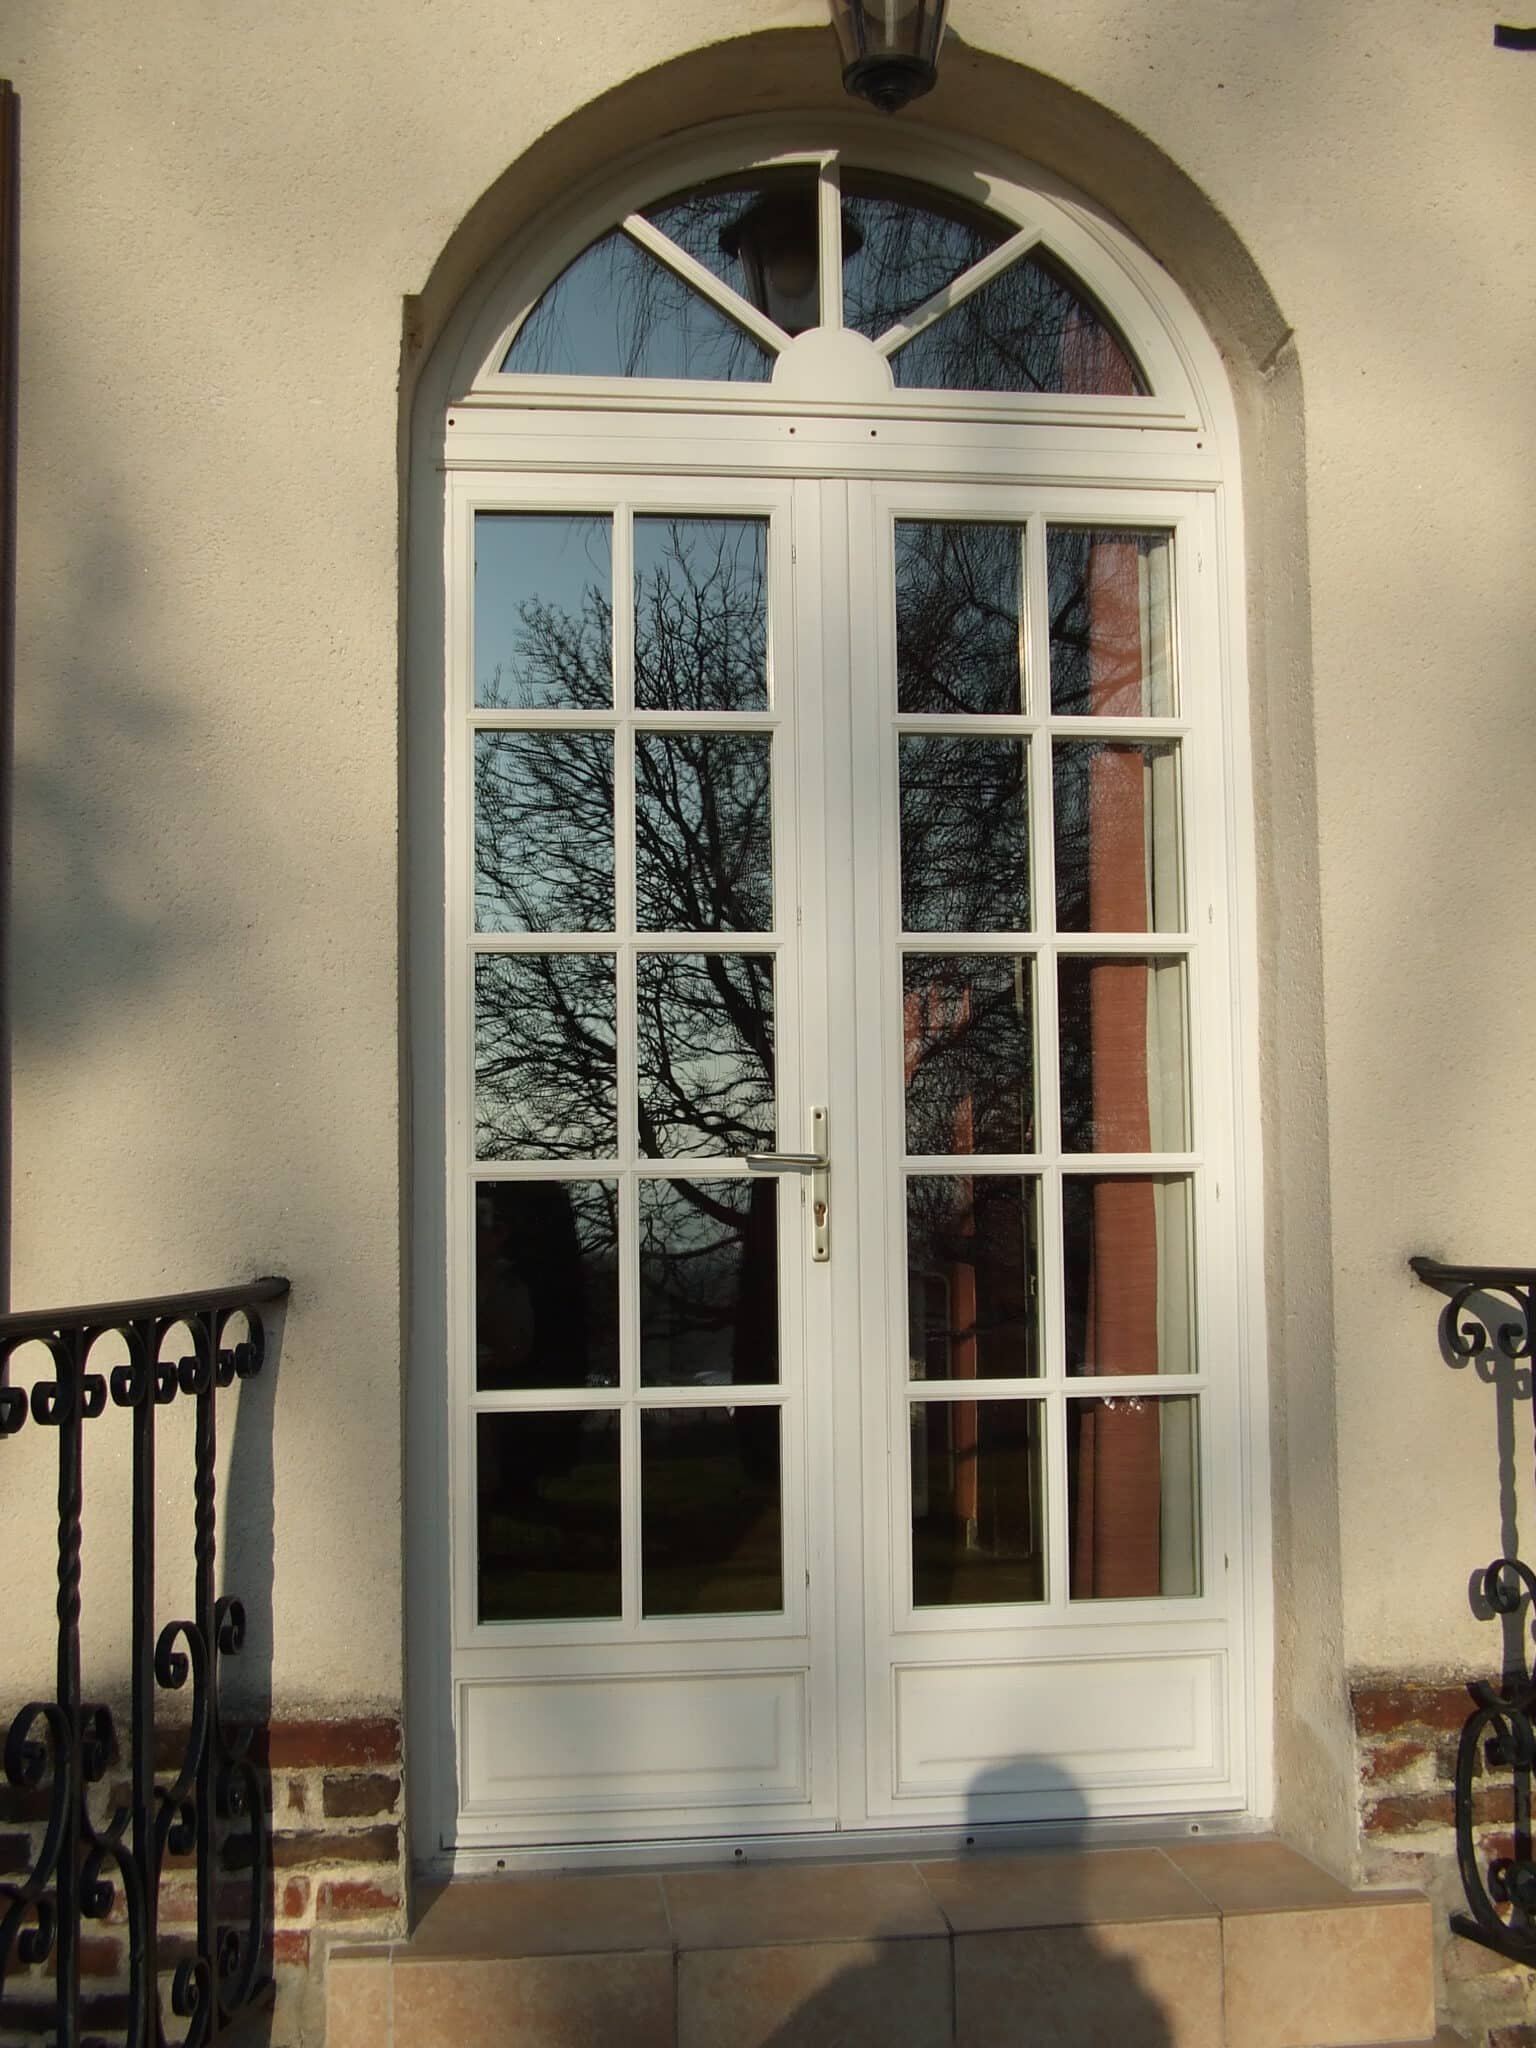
(338, 1872)
(1406, 1735)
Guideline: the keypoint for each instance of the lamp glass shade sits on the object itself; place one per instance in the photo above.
(890, 48)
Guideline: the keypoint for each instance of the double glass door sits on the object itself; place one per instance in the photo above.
(834, 1113)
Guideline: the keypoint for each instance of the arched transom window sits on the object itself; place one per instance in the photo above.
(822, 277)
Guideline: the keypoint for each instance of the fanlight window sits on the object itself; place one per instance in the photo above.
(715, 282)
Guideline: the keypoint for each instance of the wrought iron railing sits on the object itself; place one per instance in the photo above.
(1490, 1317)
(87, 1866)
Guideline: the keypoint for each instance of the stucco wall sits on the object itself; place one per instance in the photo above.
(223, 214)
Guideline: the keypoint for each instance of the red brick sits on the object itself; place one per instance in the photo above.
(291, 1945)
(293, 1745)
(40, 2021)
(101, 1955)
(295, 1898)
(360, 1796)
(299, 1852)
(349, 1900)
(1495, 1802)
(1402, 1813)
(298, 1796)
(1523, 2036)
(1391, 1760)
(21, 1804)
(178, 1900)
(1408, 1811)
(1393, 1709)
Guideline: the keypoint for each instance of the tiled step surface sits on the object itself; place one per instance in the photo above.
(1192, 1945)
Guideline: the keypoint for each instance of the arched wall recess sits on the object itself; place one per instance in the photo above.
(823, 499)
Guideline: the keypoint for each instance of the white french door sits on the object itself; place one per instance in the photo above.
(841, 1098)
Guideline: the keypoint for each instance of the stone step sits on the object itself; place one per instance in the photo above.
(1239, 1944)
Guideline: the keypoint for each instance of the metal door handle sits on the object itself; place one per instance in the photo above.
(814, 1163)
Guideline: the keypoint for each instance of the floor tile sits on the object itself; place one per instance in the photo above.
(781, 1902)
(830, 1994)
(1329, 1977)
(1156, 1984)
(1257, 1877)
(570, 2001)
(1060, 1888)
(541, 1916)
(357, 2001)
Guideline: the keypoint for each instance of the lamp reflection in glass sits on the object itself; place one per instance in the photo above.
(890, 48)
(776, 243)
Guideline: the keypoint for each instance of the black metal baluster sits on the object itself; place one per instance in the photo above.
(1499, 1735)
(204, 1483)
(41, 1915)
(140, 1387)
(70, 1423)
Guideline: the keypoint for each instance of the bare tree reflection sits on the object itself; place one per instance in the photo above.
(913, 242)
(618, 311)
(1030, 328)
(546, 1021)
(964, 835)
(959, 613)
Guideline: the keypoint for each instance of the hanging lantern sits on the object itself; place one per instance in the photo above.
(890, 48)
(776, 242)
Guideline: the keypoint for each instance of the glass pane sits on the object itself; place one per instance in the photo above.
(1029, 329)
(759, 236)
(543, 832)
(709, 1283)
(546, 1071)
(706, 1053)
(546, 1284)
(973, 1277)
(543, 611)
(964, 835)
(959, 608)
(1119, 845)
(704, 831)
(1128, 1259)
(904, 242)
(978, 1497)
(548, 1495)
(618, 311)
(710, 1519)
(701, 614)
(970, 1064)
(1133, 1497)
(1123, 1064)
(1111, 623)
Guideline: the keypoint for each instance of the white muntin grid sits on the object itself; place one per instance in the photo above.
(1049, 1164)
(626, 944)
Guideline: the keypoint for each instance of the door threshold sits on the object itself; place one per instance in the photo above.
(861, 1845)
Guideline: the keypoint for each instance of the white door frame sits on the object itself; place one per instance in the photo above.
(559, 439)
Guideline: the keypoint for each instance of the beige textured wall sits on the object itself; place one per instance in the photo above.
(224, 211)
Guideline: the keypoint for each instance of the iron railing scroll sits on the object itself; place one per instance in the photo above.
(1490, 1317)
(95, 1858)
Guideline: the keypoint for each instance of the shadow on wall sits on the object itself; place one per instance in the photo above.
(1055, 1981)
